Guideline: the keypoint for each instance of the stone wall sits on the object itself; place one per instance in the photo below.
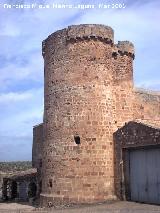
(9, 168)
(147, 106)
(20, 186)
(37, 146)
(2, 175)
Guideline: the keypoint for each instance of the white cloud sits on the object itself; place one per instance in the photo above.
(10, 29)
(14, 97)
(21, 111)
(15, 73)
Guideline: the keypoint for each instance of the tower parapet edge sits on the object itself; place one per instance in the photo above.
(101, 32)
(81, 32)
(126, 48)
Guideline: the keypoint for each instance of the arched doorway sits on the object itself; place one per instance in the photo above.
(32, 190)
(13, 189)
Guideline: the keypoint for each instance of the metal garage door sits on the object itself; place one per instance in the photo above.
(145, 175)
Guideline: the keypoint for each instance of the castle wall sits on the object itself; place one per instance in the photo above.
(147, 106)
(37, 146)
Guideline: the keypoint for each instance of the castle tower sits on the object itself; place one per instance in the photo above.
(122, 60)
(80, 114)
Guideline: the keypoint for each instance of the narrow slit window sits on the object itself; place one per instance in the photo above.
(77, 139)
(40, 163)
(50, 183)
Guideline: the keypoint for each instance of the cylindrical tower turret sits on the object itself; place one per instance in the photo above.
(78, 115)
(122, 60)
(123, 56)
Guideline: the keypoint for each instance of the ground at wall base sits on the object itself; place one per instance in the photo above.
(116, 207)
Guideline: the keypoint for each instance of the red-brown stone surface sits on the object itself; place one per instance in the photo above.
(88, 95)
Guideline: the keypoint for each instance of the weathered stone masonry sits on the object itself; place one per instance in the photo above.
(37, 146)
(88, 95)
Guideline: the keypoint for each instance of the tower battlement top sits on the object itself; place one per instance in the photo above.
(75, 33)
(125, 46)
(82, 32)
(90, 30)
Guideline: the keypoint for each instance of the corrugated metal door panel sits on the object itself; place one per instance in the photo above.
(138, 175)
(151, 185)
(145, 175)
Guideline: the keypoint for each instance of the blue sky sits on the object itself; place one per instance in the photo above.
(21, 63)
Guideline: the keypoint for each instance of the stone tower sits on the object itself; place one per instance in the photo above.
(122, 60)
(86, 77)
